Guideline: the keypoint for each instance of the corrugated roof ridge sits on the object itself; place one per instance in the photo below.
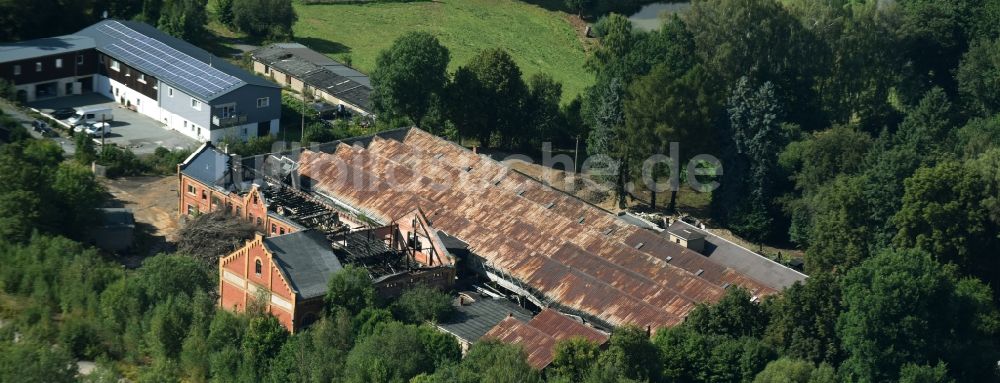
(541, 322)
(513, 331)
(423, 142)
(535, 185)
(622, 293)
(377, 148)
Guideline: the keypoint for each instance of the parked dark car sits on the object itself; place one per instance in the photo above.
(43, 128)
(39, 125)
(62, 114)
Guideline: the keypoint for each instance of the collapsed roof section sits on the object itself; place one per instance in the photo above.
(567, 252)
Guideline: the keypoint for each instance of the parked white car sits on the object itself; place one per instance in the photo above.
(97, 129)
(90, 114)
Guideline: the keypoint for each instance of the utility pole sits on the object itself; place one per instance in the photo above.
(103, 131)
(576, 155)
(302, 129)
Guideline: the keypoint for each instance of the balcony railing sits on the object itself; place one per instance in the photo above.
(225, 122)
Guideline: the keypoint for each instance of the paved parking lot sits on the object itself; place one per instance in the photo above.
(129, 129)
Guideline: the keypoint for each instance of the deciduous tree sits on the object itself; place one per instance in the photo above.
(943, 214)
(407, 75)
(351, 289)
(572, 358)
(978, 78)
(906, 290)
(265, 19)
(184, 19)
(424, 303)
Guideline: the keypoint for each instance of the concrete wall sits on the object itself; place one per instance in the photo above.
(245, 99)
(30, 89)
(179, 107)
(118, 91)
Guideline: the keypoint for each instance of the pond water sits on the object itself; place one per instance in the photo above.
(649, 16)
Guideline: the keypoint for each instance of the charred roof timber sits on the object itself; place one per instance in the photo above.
(300, 207)
(590, 269)
(600, 276)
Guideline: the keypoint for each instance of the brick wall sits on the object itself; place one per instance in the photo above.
(240, 283)
(195, 197)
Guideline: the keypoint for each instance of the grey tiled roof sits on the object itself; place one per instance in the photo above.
(44, 47)
(306, 259)
(474, 320)
(743, 260)
(685, 232)
(318, 71)
(207, 164)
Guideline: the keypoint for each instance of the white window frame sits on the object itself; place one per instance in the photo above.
(116, 66)
(38, 66)
(263, 102)
(59, 63)
(141, 78)
(226, 111)
(195, 104)
(170, 92)
(17, 70)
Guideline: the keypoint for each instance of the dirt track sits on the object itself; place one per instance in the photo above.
(153, 200)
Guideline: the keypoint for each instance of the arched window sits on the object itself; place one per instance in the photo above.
(257, 267)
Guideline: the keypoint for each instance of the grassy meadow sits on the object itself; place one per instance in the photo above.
(539, 39)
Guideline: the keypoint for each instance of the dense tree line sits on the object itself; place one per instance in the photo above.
(184, 19)
(862, 132)
(487, 100)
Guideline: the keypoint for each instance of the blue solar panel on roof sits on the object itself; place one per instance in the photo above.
(166, 63)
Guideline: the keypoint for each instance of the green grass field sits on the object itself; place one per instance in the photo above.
(540, 40)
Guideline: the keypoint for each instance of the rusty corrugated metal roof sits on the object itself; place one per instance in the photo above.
(525, 228)
(539, 335)
(536, 344)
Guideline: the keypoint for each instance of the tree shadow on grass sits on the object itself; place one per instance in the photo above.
(323, 46)
(551, 5)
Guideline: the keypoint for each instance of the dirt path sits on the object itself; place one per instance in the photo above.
(580, 27)
(153, 200)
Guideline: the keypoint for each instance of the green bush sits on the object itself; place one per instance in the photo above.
(422, 304)
(7, 90)
(164, 161)
(120, 162)
(251, 147)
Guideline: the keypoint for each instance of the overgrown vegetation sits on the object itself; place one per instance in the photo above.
(862, 132)
(210, 236)
(122, 162)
